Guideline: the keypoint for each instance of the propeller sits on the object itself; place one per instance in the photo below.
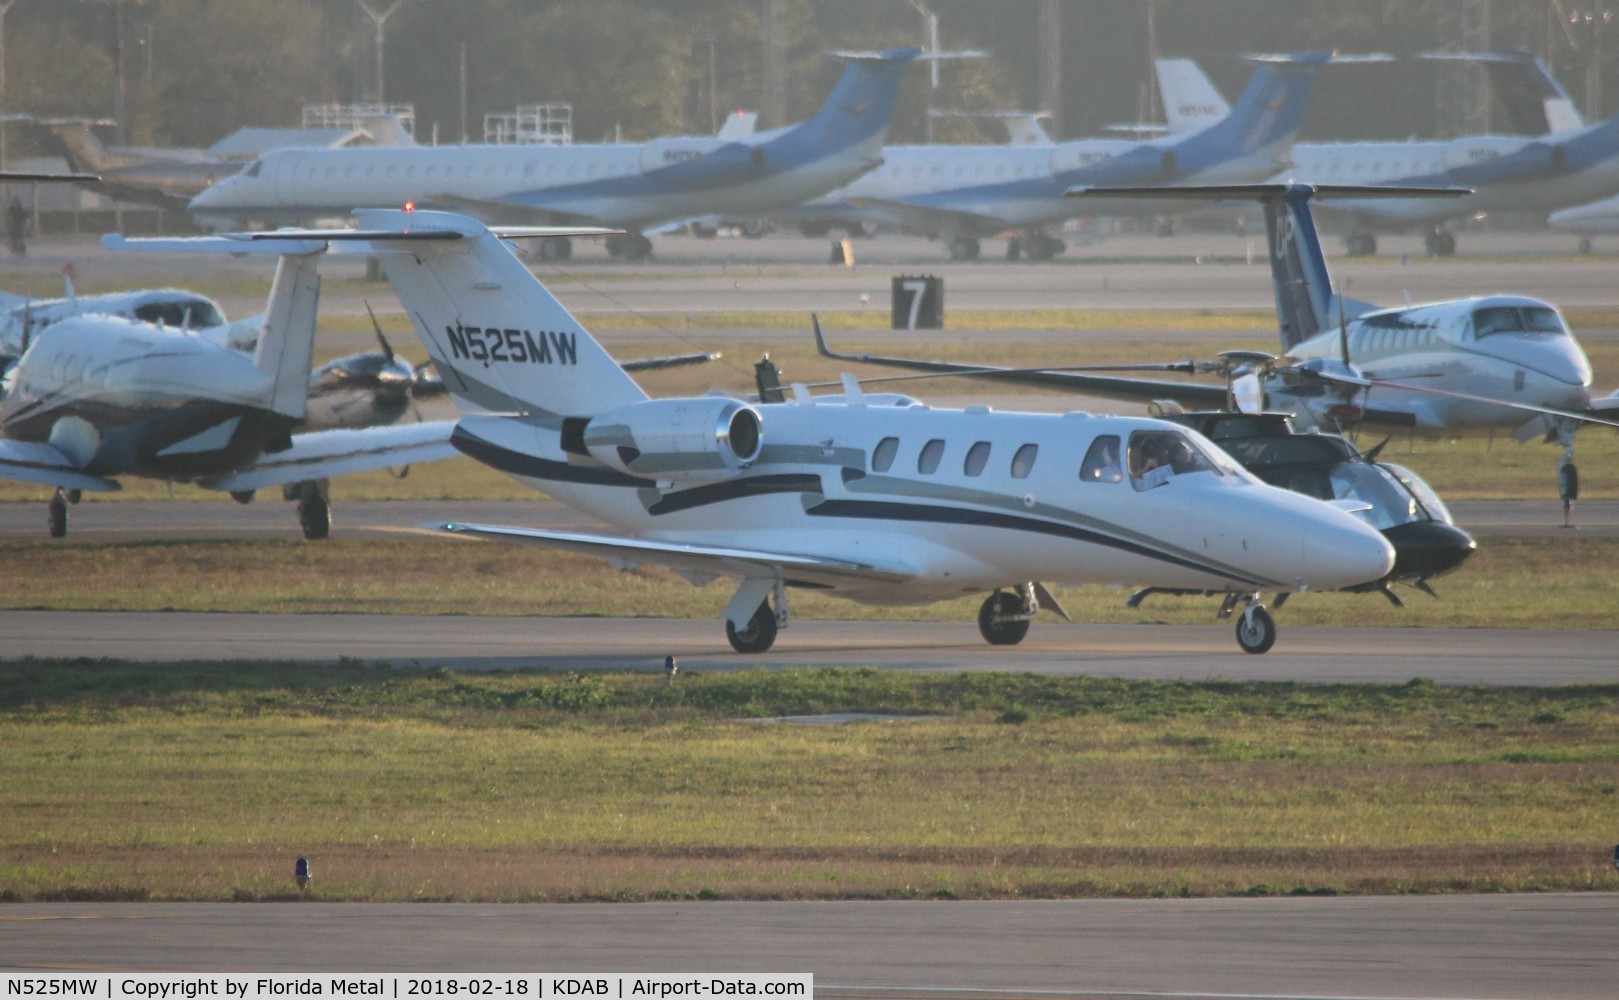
(382, 339)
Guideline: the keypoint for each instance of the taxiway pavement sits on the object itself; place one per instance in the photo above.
(1161, 652)
(1496, 946)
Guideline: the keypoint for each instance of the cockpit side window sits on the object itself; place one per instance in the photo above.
(253, 168)
(1158, 456)
(1101, 463)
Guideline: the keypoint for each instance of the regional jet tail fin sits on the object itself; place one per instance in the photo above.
(1305, 301)
(1535, 103)
(856, 114)
(1265, 118)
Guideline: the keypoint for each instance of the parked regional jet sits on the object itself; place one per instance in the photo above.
(1560, 162)
(1480, 363)
(875, 498)
(632, 186)
(965, 193)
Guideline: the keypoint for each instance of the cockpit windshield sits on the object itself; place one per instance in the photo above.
(1156, 457)
(1392, 503)
(181, 314)
(1491, 320)
(1424, 493)
(253, 168)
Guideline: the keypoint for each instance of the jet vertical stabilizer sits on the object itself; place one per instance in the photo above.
(855, 117)
(499, 339)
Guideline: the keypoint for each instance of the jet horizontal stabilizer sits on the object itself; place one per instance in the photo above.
(329, 453)
(1263, 192)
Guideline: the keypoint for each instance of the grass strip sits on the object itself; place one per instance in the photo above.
(1550, 582)
(189, 781)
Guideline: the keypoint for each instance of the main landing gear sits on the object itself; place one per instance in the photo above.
(314, 507)
(1440, 243)
(964, 248)
(759, 632)
(56, 511)
(1361, 244)
(630, 246)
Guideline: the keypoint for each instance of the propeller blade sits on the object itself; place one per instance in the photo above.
(387, 348)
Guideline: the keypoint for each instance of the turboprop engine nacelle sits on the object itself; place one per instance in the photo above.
(677, 439)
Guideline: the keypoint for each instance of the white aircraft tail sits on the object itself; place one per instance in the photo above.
(287, 343)
(1190, 100)
(500, 340)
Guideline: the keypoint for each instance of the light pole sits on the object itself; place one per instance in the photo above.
(379, 19)
(5, 8)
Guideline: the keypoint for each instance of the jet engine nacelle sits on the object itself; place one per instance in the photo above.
(676, 439)
(700, 162)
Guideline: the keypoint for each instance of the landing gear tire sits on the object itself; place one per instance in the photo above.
(1014, 249)
(758, 636)
(1256, 630)
(1568, 481)
(964, 248)
(1361, 245)
(56, 515)
(993, 619)
(243, 497)
(1045, 247)
(1585, 245)
(556, 248)
(637, 247)
(814, 230)
(1440, 243)
(315, 517)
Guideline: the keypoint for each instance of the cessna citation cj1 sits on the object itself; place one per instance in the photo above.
(876, 498)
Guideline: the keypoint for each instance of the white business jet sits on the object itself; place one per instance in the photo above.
(876, 498)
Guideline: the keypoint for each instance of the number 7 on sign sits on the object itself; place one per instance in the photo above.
(917, 288)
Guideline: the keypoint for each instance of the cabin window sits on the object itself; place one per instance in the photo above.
(1023, 461)
(1102, 461)
(927, 463)
(882, 458)
(977, 458)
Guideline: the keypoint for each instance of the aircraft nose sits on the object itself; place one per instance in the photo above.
(1423, 549)
(1348, 553)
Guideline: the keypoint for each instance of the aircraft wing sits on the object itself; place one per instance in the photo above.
(704, 560)
(31, 462)
(932, 217)
(1142, 390)
(329, 453)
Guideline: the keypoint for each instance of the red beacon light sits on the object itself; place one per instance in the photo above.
(410, 206)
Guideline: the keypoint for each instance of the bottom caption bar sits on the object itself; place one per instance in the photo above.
(524, 985)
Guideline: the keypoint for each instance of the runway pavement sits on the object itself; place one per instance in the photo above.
(1164, 652)
(1497, 946)
(269, 517)
(788, 273)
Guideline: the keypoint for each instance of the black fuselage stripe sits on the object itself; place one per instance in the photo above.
(880, 510)
(533, 467)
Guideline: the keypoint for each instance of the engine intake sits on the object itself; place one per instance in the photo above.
(677, 439)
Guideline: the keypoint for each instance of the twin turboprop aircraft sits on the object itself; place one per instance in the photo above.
(94, 397)
(875, 498)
